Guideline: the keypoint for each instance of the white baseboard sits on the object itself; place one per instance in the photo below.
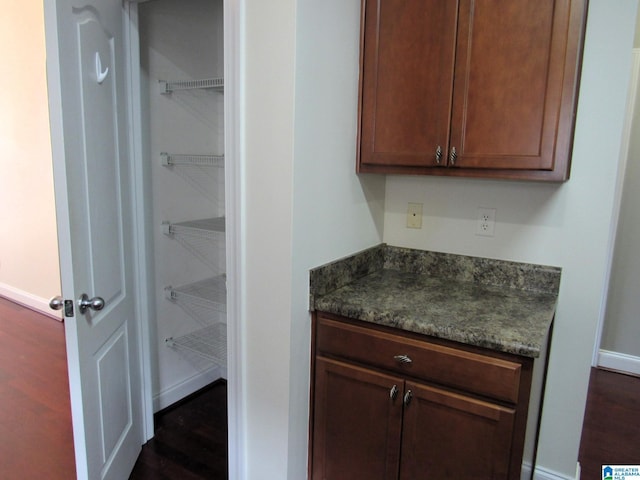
(26, 299)
(544, 474)
(619, 361)
(187, 387)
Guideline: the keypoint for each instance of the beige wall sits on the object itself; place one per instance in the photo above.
(29, 271)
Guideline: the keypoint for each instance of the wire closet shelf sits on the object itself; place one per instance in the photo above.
(167, 87)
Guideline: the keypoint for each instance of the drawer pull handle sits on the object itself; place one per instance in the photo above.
(394, 392)
(407, 397)
(453, 156)
(402, 359)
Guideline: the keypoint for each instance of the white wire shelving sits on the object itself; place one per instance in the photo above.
(210, 293)
(182, 159)
(209, 342)
(203, 228)
(167, 87)
(203, 300)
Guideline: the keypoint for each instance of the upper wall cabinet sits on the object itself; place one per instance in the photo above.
(476, 88)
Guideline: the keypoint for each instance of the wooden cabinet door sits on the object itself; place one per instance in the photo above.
(406, 82)
(447, 435)
(492, 84)
(508, 100)
(356, 423)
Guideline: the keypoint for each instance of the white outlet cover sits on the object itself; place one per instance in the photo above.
(486, 224)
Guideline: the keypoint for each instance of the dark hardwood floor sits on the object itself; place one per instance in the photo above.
(611, 430)
(36, 439)
(191, 437)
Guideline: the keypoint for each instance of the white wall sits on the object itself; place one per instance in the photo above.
(622, 320)
(29, 271)
(565, 225)
(267, 158)
(304, 206)
(335, 213)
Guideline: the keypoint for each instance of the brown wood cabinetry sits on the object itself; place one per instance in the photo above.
(480, 88)
(394, 405)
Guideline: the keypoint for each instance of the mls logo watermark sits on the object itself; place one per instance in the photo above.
(621, 472)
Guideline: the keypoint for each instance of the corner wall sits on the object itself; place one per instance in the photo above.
(29, 270)
(303, 206)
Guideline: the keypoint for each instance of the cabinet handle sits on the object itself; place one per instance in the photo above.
(453, 156)
(402, 359)
(393, 393)
(407, 397)
(438, 154)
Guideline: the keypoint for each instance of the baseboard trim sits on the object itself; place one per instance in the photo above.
(28, 300)
(619, 361)
(543, 474)
(188, 386)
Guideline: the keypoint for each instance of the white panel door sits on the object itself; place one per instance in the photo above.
(92, 173)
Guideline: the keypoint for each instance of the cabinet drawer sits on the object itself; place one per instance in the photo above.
(472, 372)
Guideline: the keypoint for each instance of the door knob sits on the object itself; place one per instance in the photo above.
(59, 303)
(56, 303)
(95, 303)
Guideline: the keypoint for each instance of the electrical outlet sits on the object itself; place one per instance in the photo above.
(414, 215)
(486, 222)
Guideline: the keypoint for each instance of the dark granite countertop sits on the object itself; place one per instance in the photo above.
(504, 306)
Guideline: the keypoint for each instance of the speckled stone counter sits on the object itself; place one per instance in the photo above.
(504, 306)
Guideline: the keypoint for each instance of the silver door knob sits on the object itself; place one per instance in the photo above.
(56, 303)
(95, 303)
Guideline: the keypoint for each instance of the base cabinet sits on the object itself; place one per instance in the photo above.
(388, 423)
(358, 422)
(449, 435)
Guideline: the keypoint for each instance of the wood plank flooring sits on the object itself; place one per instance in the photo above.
(191, 438)
(611, 430)
(36, 439)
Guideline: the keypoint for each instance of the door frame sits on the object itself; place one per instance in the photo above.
(235, 236)
(140, 190)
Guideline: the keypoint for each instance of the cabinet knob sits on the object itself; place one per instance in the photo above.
(453, 156)
(438, 154)
(393, 393)
(407, 397)
(402, 359)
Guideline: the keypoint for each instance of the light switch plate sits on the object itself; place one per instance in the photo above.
(414, 215)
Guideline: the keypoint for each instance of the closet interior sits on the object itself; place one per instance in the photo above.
(181, 56)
